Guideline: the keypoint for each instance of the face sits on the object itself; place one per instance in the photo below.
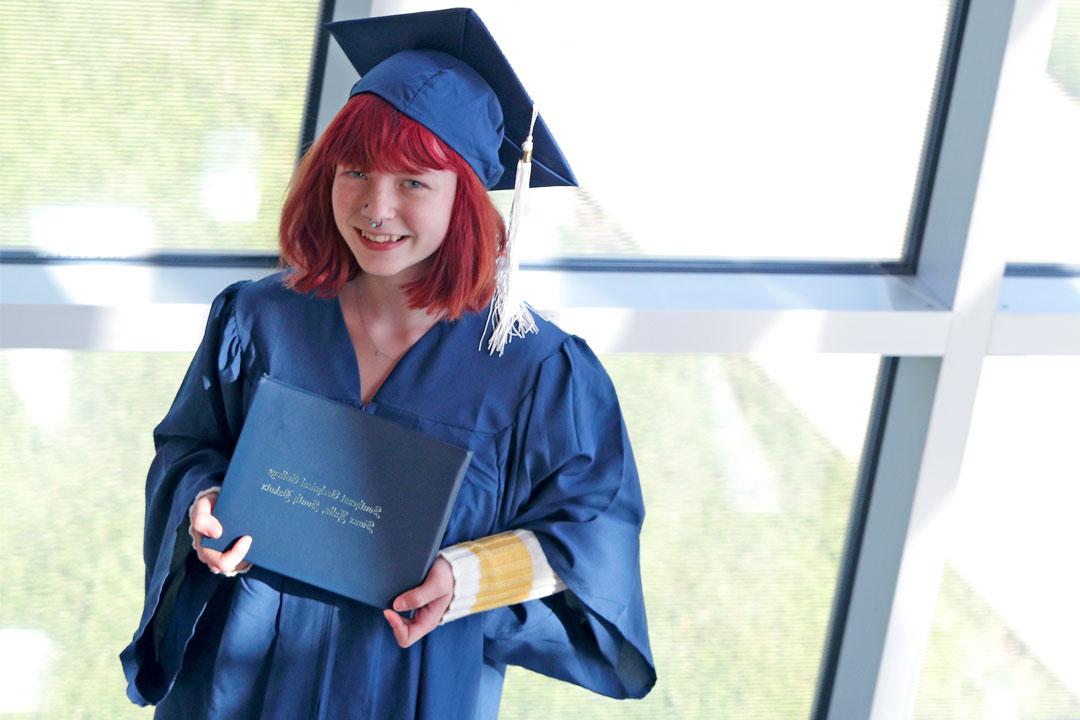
(414, 211)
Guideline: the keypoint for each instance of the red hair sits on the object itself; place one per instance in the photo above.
(370, 133)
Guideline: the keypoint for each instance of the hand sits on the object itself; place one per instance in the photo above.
(430, 600)
(204, 524)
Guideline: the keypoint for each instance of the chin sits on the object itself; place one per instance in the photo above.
(400, 274)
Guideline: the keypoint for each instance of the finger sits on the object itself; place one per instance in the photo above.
(408, 632)
(208, 556)
(435, 586)
(212, 560)
(207, 526)
(232, 557)
(409, 600)
(397, 625)
(203, 521)
(204, 505)
(425, 620)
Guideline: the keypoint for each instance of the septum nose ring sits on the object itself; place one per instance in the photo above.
(374, 224)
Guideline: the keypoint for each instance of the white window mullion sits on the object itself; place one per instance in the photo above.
(909, 522)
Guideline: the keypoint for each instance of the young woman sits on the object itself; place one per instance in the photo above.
(391, 247)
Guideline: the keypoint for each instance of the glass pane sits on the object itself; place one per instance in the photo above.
(1045, 158)
(801, 124)
(748, 466)
(1004, 641)
(75, 446)
(129, 127)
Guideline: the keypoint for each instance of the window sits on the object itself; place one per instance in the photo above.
(840, 133)
(722, 130)
(1045, 154)
(1003, 641)
(151, 126)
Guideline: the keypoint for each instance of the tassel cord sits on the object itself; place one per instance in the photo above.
(508, 315)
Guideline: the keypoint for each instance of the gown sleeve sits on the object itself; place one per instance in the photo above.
(572, 481)
(193, 445)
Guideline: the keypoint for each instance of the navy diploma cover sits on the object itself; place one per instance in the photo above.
(336, 497)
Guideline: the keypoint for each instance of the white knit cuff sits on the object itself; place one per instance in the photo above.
(499, 570)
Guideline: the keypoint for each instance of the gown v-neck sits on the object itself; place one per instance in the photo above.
(357, 387)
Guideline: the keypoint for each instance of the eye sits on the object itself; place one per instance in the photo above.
(413, 184)
(358, 174)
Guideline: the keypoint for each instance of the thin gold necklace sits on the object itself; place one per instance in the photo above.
(363, 326)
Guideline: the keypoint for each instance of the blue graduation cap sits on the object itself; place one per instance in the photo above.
(443, 69)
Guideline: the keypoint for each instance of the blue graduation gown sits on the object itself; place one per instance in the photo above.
(550, 454)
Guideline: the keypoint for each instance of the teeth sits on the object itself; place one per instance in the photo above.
(381, 238)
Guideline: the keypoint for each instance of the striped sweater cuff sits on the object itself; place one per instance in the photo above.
(498, 570)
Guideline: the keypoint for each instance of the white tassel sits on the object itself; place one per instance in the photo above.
(509, 316)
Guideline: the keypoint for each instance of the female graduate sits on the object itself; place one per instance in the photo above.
(392, 300)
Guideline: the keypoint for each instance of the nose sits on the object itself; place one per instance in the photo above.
(379, 202)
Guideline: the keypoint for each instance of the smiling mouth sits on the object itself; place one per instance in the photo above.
(381, 238)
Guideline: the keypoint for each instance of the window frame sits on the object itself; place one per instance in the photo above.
(933, 316)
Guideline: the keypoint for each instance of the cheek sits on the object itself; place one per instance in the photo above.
(338, 202)
(343, 200)
(444, 223)
(445, 211)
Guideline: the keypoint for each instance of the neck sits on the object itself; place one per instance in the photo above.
(386, 306)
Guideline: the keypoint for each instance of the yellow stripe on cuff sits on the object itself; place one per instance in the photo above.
(506, 571)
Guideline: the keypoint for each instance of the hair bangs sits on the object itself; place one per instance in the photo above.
(377, 136)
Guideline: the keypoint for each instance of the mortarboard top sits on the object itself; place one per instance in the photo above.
(444, 70)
